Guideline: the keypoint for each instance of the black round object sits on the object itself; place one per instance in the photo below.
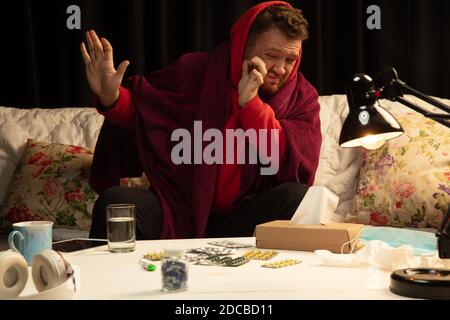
(427, 283)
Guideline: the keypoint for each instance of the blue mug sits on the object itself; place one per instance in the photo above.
(31, 237)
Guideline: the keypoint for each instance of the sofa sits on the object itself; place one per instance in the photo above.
(340, 169)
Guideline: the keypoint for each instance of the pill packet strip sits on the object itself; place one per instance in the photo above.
(260, 254)
(225, 261)
(202, 256)
(154, 256)
(198, 258)
(281, 263)
(229, 261)
(212, 251)
(230, 244)
(236, 262)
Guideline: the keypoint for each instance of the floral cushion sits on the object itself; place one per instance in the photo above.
(406, 183)
(50, 183)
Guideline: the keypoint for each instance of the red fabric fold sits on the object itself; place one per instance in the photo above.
(122, 113)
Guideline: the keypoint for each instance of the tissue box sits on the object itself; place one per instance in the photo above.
(281, 234)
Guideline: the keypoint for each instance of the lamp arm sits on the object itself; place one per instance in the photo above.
(407, 89)
(396, 88)
(441, 118)
(390, 86)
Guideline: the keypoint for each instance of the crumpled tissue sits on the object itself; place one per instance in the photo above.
(379, 254)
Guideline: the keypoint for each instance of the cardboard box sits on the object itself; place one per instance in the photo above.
(280, 234)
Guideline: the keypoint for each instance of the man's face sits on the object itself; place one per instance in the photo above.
(280, 54)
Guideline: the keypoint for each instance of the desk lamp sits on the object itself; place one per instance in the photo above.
(369, 125)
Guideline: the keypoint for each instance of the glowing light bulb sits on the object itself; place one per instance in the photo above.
(373, 142)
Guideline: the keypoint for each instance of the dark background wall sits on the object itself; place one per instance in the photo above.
(41, 63)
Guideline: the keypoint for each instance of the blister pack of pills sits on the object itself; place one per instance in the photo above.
(260, 254)
(281, 263)
(154, 256)
(226, 261)
(212, 251)
(230, 244)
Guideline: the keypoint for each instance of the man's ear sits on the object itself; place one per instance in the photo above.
(248, 48)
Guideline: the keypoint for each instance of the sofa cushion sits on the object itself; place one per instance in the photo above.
(406, 183)
(50, 183)
(75, 126)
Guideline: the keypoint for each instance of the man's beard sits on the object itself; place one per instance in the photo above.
(266, 92)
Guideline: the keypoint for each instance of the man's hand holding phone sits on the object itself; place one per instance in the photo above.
(253, 73)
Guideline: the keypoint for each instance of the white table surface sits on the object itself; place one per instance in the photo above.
(106, 275)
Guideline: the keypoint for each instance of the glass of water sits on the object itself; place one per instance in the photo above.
(121, 227)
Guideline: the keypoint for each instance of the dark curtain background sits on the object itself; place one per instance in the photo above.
(41, 63)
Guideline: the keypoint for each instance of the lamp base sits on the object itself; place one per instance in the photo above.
(426, 283)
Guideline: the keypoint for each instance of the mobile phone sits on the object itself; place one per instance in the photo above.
(77, 244)
(252, 66)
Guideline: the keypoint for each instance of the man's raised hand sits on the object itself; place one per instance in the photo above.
(253, 73)
(104, 80)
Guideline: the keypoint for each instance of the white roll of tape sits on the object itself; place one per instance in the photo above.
(13, 274)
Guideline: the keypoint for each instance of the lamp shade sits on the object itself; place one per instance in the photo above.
(367, 124)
